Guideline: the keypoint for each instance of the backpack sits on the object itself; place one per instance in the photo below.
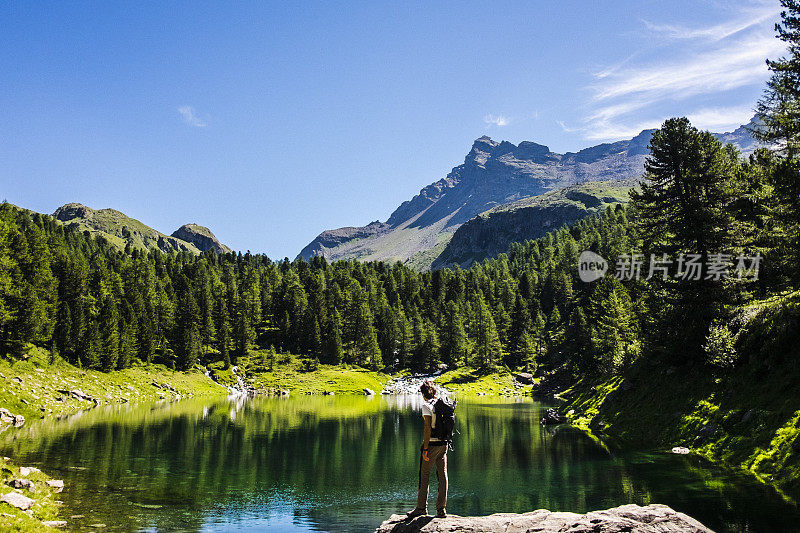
(445, 410)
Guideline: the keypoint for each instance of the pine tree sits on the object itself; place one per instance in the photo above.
(487, 342)
(520, 326)
(525, 352)
(223, 329)
(407, 346)
(613, 333)
(430, 348)
(779, 116)
(577, 338)
(316, 337)
(778, 109)
(335, 351)
(89, 348)
(683, 208)
(455, 344)
(187, 338)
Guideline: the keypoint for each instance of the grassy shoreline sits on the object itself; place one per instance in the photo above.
(37, 386)
(742, 420)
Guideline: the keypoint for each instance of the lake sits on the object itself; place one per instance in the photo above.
(322, 463)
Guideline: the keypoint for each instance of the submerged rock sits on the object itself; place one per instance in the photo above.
(550, 417)
(653, 518)
(55, 523)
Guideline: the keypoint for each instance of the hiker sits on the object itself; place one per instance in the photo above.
(434, 449)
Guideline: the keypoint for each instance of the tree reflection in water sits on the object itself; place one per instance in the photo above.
(346, 463)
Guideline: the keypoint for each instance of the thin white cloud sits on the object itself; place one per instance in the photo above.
(189, 116)
(722, 119)
(568, 129)
(727, 67)
(498, 120)
(747, 18)
(604, 131)
(707, 61)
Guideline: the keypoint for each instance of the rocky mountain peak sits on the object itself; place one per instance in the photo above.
(493, 174)
(202, 237)
(73, 210)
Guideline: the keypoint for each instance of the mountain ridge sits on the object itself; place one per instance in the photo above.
(492, 174)
(122, 231)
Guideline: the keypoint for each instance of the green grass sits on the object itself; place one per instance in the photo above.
(757, 418)
(45, 498)
(30, 386)
(470, 382)
(290, 372)
(754, 408)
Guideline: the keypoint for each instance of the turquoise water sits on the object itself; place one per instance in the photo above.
(347, 463)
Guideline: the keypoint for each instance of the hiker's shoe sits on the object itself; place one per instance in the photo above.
(441, 513)
(415, 513)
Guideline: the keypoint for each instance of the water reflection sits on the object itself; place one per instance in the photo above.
(346, 463)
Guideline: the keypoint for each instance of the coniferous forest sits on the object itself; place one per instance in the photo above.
(101, 308)
(104, 309)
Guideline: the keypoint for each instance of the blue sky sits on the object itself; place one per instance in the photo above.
(270, 122)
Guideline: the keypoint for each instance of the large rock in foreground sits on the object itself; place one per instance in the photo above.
(629, 518)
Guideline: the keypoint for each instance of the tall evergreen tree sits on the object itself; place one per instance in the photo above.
(779, 117)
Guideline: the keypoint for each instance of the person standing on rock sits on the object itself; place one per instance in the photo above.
(434, 452)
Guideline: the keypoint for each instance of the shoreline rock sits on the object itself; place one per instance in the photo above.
(633, 518)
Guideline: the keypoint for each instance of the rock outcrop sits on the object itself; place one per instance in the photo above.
(201, 237)
(628, 518)
(493, 174)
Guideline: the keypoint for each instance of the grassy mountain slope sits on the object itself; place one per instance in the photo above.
(121, 230)
(492, 232)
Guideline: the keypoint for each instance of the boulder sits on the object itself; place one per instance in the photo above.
(55, 523)
(369, 392)
(550, 417)
(653, 518)
(76, 393)
(22, 484)
(19, 420)
(56, 484)
(525, 377)
(25, 471)
(680, 450)
(6, 417)
(17, 500)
